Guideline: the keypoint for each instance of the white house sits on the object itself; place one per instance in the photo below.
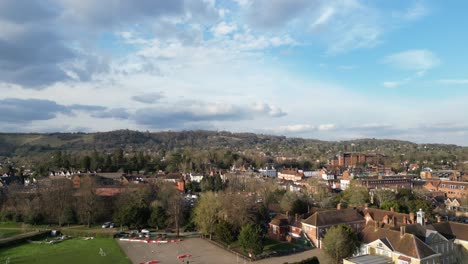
(196, 178)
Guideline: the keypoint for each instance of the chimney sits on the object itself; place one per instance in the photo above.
(402, 230)
(376, 225)
(439, 219)
(385, 219)
(338, 206)
(366, 206)
(296, 217)
(405, 220)
(411, 217)
(392, 209)
(421, 219)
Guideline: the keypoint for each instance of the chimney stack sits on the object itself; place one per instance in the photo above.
(366, 206)
(402, 231)
(405, 220)
(376, 225)
(338, 206)
(439, 219)
(296, 217)
(421, 219)
(392, 209)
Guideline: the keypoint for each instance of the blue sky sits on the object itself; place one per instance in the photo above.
(332, 70)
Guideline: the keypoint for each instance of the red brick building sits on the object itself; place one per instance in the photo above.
(386, 182)
(348, 159)
(452, 189)
(317, 224)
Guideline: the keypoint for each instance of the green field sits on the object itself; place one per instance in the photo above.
(11, 224)
(68, 252)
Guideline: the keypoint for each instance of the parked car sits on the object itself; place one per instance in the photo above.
(108, 225)
(145, 231)
(133, 233)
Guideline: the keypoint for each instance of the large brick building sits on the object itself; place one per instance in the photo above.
(317, 224)
(348, 159)
(386, 182)
(452, 189)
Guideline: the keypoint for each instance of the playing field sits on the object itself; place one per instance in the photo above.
(99, 250)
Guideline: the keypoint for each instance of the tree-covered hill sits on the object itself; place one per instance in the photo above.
(36, 146)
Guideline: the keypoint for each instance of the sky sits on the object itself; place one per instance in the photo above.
(323, 69)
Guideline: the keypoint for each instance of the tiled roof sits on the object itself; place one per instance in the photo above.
(333, 217)
(280, 220)
(408, 244)
(452, 230)
(378, 215)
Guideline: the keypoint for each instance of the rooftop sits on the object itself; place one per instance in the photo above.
(370, 259)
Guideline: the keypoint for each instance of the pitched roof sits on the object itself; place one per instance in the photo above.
(379, 214)
(408, 244)
(280, 220)
(333, 217)
(451, 230)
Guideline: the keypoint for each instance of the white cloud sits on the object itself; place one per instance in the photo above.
(324, 17)
(243, 3)
(417, 11)
(223, 28)
(294, 128)
(391, 84)
(419, 60)
(347, 25)
(326, 127)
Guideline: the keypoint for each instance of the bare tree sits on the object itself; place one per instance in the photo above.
(238, 209)
(87, 201)
(57, 198)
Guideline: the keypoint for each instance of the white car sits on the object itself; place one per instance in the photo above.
(108, 225)
(145, 231)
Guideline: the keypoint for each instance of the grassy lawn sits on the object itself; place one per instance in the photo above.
(68, 252)
(10, 225)
(271, 245)
(92, 227)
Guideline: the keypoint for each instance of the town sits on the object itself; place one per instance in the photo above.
(233, 131)
(416, 214)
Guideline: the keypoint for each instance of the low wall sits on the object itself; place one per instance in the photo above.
(14, 240)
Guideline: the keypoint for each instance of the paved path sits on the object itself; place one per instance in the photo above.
(202, 252)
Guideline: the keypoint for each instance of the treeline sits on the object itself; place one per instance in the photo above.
(157, 205)
(31, 148)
